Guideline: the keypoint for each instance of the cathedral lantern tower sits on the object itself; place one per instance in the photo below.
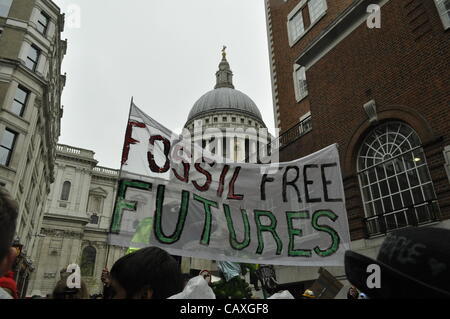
(226, 108)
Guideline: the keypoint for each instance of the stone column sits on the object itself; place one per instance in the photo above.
(78, 187)
(51, 30)
(241, 148)
(40, 264)
(252, 150)
(40, 69)
(24, 51)
(56, 187)
(85, 192)
(219, 147)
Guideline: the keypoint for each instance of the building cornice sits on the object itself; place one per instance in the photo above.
(61, 233)
(52, 4)
(67, 218)
(338, 30)
(98, 231)
(18, 65)
(227, 111)
(91, 162)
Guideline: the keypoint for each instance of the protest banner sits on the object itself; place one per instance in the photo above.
(277, 213)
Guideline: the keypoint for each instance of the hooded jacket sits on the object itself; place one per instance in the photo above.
(7, 282)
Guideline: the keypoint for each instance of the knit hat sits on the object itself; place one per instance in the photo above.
(413, 263)
(309, 294)
(7, 282)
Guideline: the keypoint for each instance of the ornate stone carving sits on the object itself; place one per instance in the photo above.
(95, 244)
(371, 111)
(49, 275)
(51, 232)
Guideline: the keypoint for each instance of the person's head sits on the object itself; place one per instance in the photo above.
(207, 275)
(149, 273)
(308, 294)
(352, 293)
(412, 263)
(61, 291)
(8, 217)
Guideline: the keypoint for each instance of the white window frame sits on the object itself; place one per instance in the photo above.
(34, 62)
(10, 149)
(41, 14)
(323, 6)
(294, 35)
(24, 104)
(387, 153)
(301, 91)
(293, 38)
(297, 10)
(444, 12)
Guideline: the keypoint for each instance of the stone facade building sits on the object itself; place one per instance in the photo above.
(76, 222)
(31, 52)
(372, 76)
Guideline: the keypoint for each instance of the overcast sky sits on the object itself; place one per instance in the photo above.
(164, 53)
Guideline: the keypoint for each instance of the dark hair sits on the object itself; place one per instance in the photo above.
(148, 268)
(61, 291)
(350, 295)
(8, 217)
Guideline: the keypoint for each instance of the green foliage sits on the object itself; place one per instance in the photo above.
(236, 288)
(249, 268)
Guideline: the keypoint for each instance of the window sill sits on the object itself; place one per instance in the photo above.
(7, 168)
(16, 116)
(302, 98)
(294, 42)
(63, 204)
(424, 224)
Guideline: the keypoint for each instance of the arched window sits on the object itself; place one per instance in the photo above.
(65, 190)
(396, 186)
(88, 261)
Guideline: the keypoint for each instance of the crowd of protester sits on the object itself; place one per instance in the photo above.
(413, 263)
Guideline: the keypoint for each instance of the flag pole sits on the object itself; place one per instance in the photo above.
(120, 173)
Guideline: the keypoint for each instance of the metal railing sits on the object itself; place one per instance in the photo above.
(295, 132)
(66, 149)
(420, 214)
(105, 170)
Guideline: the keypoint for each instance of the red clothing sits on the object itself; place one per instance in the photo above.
(7, 282)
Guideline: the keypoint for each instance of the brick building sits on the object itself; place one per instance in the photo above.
(377, 82)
